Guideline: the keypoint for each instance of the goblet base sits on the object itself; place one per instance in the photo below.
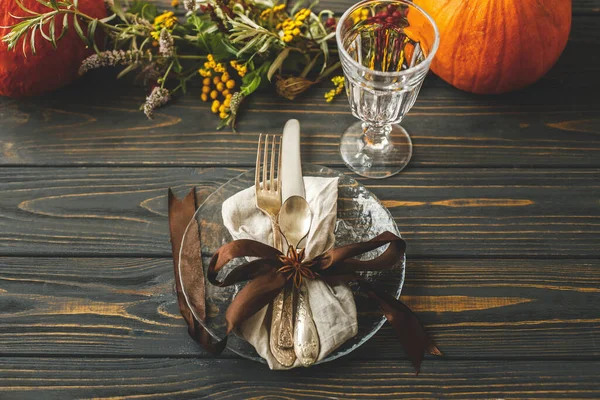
(376, 155)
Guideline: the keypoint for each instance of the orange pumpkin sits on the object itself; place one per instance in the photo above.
(496, 46)
(49, 68)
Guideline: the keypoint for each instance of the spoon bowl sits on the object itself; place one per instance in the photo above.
(295, 218)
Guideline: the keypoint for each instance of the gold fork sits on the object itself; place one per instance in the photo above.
(268, 200)
(268, 191)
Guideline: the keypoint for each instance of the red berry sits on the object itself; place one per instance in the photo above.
(390, 20)
(391, 8)
(330, 22)
(396, 14)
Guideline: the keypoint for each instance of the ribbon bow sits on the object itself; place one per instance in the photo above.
(268, 274)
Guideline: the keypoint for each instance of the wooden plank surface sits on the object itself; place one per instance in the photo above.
(441, 212)
(475, 309)
(59, 378)
(554, 123)
(499, 206)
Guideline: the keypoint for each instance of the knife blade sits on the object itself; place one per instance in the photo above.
(291, 166)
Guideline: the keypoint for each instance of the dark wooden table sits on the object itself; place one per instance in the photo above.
(500, 207)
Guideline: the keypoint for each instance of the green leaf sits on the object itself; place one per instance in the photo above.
(177, 66)
(117, 7)
(91, 34)
(109, 18)
(52, 32)
(325, 50)
(45, 3)
(253, 80)
(33, 31)
(22, 7)
(65, 27)
(79, 30)
(54, 4)
(46, 36)
(277, 62)
(220, 47)
(146, 10)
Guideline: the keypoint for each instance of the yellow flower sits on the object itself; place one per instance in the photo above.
(175, 3)
(230, 84)
(166, 20)
(225, 93)
(220, 86)
(155, 35)
(204, 97)
(223, 115)
(227, 101)
(219, 67)
(206, 81)
(338, 81)
(214, 94)
(215, 106)
(240, 69)
(265, 13)
(206, 89)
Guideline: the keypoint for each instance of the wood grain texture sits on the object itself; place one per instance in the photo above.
(554, 123)
(475, 309)
(230, 379)
(441, 213)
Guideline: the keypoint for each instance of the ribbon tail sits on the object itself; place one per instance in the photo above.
(407, 326)
(180, 214)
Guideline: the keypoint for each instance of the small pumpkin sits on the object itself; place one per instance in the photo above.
(496, 46)
(49, 69)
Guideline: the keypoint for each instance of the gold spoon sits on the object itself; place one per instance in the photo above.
(295, 219)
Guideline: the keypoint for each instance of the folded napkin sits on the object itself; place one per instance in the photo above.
(333, 308)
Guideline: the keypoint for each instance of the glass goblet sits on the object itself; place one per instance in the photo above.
(386, 47)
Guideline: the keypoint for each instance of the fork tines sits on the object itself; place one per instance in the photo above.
(270, 171)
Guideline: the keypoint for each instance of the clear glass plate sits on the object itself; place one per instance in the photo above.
(360, 217)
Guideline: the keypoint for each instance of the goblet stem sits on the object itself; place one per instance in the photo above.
(376, 138)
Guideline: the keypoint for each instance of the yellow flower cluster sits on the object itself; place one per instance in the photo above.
(291, 26)
(165, 20)
(241, 69)
(265, 13)
(338, 81)
(219, 89)
(360, 15)
(211, 64)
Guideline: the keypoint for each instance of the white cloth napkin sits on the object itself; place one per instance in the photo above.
(333, 308)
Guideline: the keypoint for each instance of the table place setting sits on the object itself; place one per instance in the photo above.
(277, 261)
(349, 185)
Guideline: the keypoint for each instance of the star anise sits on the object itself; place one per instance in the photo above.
(294, 266)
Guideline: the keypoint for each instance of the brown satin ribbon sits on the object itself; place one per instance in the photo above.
(264, 282)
